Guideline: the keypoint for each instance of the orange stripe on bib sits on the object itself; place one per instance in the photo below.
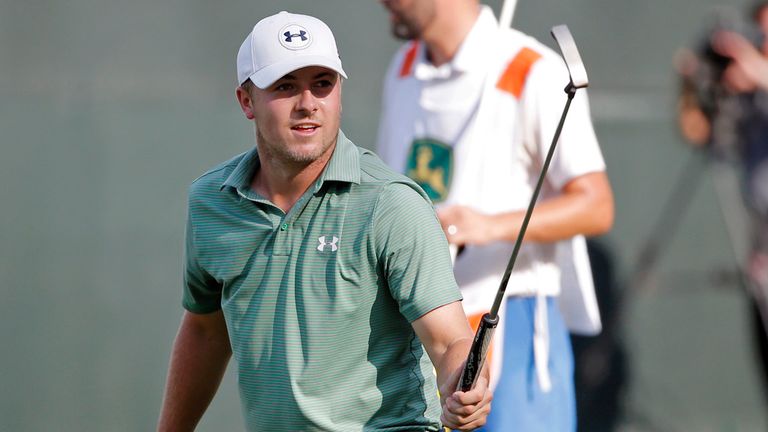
(410, 57)
(513, 78)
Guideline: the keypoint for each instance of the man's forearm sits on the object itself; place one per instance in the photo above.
(198, 361)
(447, 337)
(452, 360)
(585, 207)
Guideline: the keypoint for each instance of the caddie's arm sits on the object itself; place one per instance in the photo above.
(199, 358)
(447, 337)
(584, 206)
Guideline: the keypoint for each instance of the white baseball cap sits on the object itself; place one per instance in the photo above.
(282, 43)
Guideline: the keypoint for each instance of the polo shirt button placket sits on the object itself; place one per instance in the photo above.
(282, 244)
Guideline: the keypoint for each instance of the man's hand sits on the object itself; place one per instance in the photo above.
(694, 125)
(465, 410)
(464, 225)
(447, 337)
(750, 67)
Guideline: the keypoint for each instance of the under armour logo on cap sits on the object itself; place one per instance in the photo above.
(333, 244)
(289, 37)
(295, 37)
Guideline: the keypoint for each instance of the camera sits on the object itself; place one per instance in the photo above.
(705, 80)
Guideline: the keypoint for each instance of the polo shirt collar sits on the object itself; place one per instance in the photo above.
(473, 52)
(344, 166)
(240, 177)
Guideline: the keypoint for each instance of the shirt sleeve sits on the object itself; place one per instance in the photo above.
(577, 152)
(414, 252)
(202, 293)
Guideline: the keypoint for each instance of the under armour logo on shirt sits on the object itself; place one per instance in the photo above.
(289, 36)
(323, 244)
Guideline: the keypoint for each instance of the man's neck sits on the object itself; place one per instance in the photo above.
(447, 32)
(284, 183)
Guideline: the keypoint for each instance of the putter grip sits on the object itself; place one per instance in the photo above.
(477, 353)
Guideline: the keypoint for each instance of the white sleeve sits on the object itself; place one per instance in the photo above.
(543, 100)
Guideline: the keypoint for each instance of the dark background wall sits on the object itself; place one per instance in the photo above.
(108, 110)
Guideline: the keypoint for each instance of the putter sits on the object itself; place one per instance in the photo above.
(507, 13)
(578, 79)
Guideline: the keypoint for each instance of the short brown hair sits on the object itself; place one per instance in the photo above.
(248, 85)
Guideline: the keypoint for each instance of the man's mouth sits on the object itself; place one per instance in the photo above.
(305, 128)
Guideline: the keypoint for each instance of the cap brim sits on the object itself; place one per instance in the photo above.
(267, 76)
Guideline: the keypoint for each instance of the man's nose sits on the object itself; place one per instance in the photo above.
(307, 102)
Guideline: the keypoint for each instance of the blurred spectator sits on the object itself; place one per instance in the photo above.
(724, 109)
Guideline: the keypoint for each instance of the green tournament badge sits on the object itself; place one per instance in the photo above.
(430, 164)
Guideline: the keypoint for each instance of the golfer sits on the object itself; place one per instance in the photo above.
(325, 273)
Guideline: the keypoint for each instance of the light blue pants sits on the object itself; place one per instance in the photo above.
(519, 405)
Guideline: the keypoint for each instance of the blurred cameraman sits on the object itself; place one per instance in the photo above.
(723, 109)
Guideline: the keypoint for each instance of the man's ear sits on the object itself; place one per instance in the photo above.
(246, 102)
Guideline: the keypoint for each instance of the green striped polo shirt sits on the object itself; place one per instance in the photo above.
(319, 302)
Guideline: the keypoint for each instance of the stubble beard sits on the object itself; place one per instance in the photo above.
(290, 155)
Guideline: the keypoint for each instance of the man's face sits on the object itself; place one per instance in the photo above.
(409, 18)
(298, 117)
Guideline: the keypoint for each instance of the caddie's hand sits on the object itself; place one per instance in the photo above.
(465, 411)
(464, 225)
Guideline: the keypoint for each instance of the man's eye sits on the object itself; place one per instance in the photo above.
(324, 83)
(284, 87)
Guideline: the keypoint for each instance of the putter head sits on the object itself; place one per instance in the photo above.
(570, 53)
